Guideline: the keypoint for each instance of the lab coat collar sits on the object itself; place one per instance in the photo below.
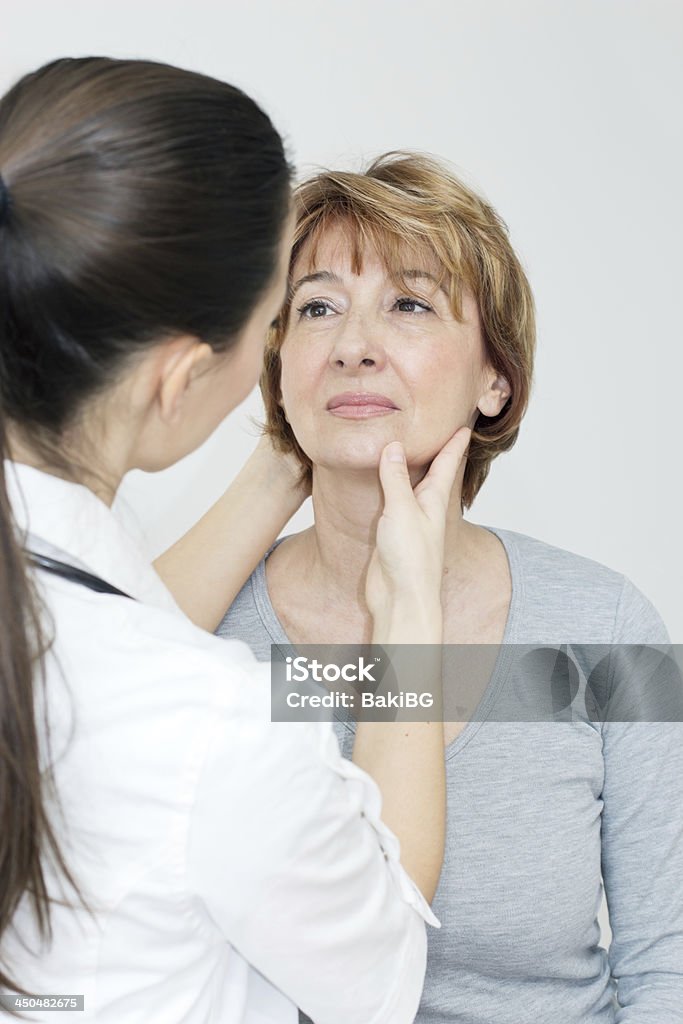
(68, 521)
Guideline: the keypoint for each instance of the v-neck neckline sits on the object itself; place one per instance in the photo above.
(501, 669)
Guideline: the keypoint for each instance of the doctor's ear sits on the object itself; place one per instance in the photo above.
(496, 395)
(171, 368)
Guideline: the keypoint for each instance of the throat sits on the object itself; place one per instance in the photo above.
(315, 604)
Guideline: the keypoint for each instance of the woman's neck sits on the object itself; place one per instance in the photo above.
(336, 551)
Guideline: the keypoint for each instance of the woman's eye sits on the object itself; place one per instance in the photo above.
(314, 310)
(318, 309)
(407, 305)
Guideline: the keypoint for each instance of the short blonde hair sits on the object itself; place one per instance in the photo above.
(410, 200)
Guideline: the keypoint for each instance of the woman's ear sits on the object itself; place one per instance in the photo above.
(492, 401)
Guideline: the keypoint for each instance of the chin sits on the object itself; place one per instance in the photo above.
(361, 454)
(361, 448)
(358, 453)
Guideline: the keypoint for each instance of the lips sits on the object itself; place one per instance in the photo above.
(360, 405)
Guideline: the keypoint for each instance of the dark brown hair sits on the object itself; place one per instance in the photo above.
(410, 200)
(142, 200)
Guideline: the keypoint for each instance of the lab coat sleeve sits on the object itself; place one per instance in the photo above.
(288, 852)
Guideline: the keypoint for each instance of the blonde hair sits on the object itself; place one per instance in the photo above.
(410, 200)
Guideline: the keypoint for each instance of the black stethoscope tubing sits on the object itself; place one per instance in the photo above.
(74, 575)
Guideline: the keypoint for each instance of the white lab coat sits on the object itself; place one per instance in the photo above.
(239, 867)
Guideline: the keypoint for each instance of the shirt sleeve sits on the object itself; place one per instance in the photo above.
(288, 852)
(642, 842)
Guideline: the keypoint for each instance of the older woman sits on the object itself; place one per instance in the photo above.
(409, 316)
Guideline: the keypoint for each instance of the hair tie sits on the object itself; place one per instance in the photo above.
(4, 200)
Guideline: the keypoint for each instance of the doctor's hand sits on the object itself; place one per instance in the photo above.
(403, 592)
(282, 473)
(403, 584)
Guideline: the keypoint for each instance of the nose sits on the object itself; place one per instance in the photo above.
(357, 344)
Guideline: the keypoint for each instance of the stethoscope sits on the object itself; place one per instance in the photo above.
(74, 575)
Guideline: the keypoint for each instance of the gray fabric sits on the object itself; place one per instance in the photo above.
(538, 813)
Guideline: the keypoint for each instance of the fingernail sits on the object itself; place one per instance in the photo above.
(396, 453)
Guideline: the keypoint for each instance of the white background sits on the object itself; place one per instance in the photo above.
(567, 117)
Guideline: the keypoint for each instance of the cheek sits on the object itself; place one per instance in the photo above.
(443, 387)
(300, 391)
(436, 373)
(297, 379)
(286, 379)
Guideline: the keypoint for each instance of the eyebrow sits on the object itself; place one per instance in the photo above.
(413, 275)
(327, 275)
(319, 275)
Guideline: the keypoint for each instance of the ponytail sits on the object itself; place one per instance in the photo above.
(25, 831)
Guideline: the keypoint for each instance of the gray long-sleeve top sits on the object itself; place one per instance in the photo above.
(539, 815)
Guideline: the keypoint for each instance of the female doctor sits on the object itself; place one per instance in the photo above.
(166, 851)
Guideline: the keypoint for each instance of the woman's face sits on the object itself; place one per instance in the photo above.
(364, 364)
